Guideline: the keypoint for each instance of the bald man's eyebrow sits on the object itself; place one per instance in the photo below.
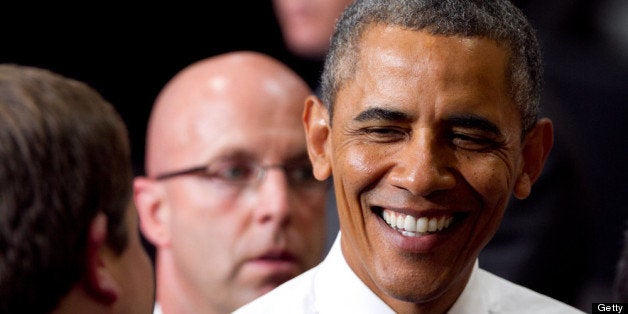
(474, 122)
(382, 114)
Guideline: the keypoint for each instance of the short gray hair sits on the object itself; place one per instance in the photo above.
(498, 20)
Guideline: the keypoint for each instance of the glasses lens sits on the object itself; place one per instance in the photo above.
(243, 174)
(300, 173)
(233, 171)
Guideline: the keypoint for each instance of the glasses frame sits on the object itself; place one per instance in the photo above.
(182, 172)
(262, 169)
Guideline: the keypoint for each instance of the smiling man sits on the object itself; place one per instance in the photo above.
(428, 124)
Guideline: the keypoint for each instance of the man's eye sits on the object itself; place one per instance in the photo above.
(301, 174)
(385, 134)
(232, 171)
(472, 142)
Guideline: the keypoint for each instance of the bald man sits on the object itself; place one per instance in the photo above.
(229, 199)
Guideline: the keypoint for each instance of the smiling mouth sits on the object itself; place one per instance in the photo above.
(412, 226)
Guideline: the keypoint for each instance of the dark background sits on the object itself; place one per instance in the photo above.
(128, 54)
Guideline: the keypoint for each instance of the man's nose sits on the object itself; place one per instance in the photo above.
(274, 197)
(423, 166)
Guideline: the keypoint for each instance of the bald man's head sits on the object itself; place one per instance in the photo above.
(204, 94)
(255, 217)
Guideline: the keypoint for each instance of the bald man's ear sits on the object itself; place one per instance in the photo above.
(148, 195)
(536, 148)
(318, 135)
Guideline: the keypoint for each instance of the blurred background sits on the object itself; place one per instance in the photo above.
(564, 243)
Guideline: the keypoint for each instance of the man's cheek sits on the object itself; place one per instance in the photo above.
(362, 166)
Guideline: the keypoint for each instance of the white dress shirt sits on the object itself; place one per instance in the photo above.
(332, 287)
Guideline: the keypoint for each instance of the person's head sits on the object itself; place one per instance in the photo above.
(428, 123)
(229, 199)
(68, 230)
(307, 25)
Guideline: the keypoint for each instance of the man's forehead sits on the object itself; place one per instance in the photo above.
(416, 53)
(271, 145)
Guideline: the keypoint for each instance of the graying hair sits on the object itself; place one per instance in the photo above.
(498, 20)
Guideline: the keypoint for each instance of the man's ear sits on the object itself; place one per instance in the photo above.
(100, 282)
(318, 135)
(148, 197)
(536, 148)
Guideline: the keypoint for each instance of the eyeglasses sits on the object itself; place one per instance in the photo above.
(244, 173)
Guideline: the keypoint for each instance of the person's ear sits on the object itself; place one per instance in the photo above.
(100, 281)
(536, 148)
(318, 135)
(148, 198)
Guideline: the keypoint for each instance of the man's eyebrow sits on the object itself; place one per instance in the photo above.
(382, 114)
(235, 153)
(475, 122)
(238, 154)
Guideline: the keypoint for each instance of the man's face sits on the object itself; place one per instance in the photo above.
(235, 243)
(307, 25)
(425, 149)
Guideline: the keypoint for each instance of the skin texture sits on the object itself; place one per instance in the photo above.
(214, 246)
(133, 270)
(425, 127)
(307, 25)
(114, 283)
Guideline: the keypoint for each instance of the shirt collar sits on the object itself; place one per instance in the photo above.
(473, 298)
(336, 283)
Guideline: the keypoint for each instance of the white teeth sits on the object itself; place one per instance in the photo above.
(411, 226)
(432, 225)
(399, 222)
(441, 223)
(408, 233)
(421, 225)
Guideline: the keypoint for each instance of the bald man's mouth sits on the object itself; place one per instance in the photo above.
(276, 263)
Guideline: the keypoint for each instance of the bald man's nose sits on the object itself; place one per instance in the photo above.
(274, 195)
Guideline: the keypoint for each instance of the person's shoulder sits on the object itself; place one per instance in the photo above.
(509, 297)
(292, 297)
